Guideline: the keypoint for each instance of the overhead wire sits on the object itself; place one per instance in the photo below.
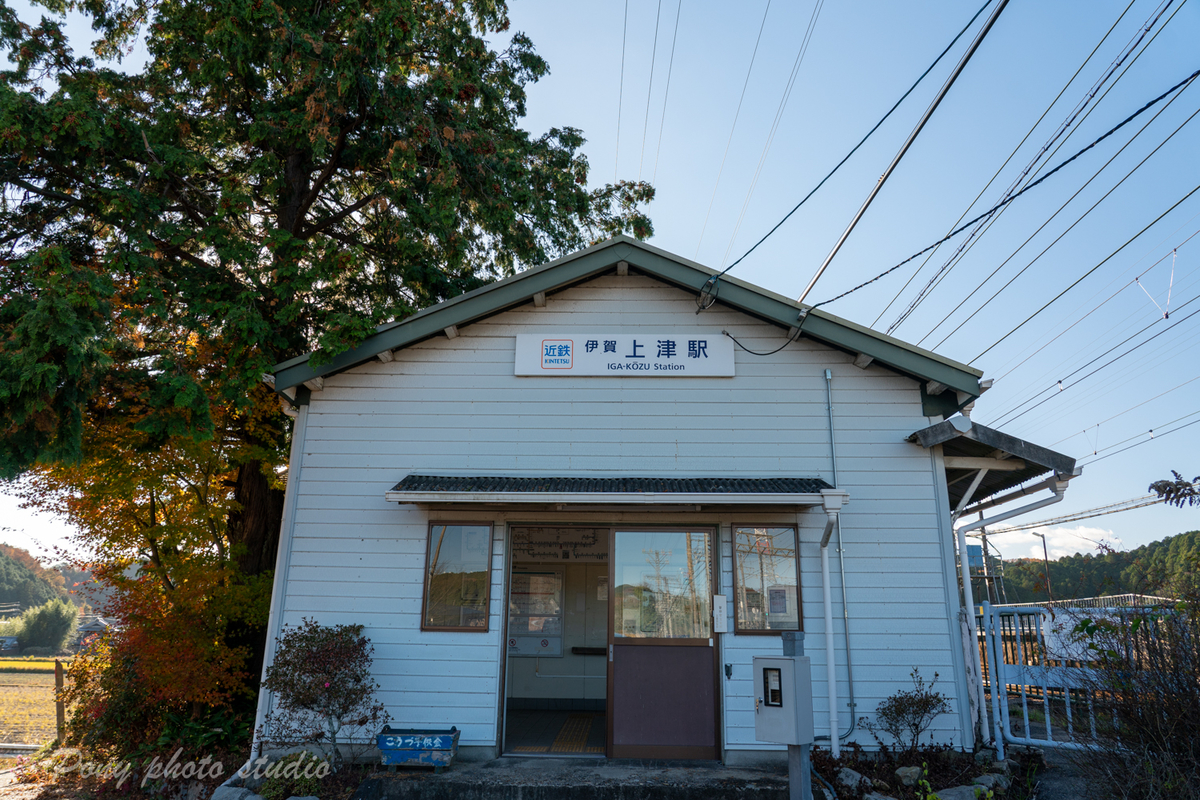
(1131, 372)
(1083, 277)
(1100, 511)
(1069, 228)
(1063, 127)
(1106, 364)
(621, 94)
(1152, 438)
(1126, 411)
(1059, 132)
(650, 88)
(1020, 144)
(1038, 347)
(733, 127)
(783, 101)
(1002, 419)
(1109, 334)
(964, 252)
(710, 287)
(667, 93)
(1033, 185)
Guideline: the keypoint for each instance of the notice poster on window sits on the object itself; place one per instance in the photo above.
(778, 600)
(535, 614)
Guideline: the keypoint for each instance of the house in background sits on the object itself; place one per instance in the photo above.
(569, 509)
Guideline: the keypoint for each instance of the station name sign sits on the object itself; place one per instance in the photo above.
(652, 355)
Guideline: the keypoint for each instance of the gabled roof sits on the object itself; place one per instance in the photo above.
(929, 368)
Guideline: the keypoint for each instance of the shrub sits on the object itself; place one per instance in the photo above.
(1146, 691)
(906, 715)
(296, 775)
(321, 679)
(45, 628)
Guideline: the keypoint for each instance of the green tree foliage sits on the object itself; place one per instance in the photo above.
(49, 625)
(281, 177)
(1170, 567)
(1179, 492)
(21, 585)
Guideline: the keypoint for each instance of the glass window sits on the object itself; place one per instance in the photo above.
(663, 588)
(457, 576)
(766, 580)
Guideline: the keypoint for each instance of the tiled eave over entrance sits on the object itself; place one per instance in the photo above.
(612, 492)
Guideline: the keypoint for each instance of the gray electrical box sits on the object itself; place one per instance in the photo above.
(783, 710)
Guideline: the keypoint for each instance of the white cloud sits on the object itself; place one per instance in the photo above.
(1060, 541)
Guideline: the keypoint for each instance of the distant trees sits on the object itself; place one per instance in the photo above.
(1168, 567)
(23, 581)
(47, 627)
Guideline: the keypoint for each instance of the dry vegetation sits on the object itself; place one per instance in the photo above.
(26, 706)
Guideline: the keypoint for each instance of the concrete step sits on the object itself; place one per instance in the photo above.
(580, 779)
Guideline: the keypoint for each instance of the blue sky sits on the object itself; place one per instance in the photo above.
(860, 58)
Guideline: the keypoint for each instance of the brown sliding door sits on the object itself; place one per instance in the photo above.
(662, 670)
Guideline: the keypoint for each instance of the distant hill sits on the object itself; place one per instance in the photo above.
(83, 588)
(24, 581)
(1169, 567)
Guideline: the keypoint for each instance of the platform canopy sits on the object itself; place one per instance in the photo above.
(968, 447)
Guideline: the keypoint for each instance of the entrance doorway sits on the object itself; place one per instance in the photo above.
(556, 697)
(629, 672)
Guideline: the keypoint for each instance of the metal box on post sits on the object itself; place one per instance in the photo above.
(783, 710)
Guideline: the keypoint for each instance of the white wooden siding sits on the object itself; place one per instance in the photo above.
(455, 407)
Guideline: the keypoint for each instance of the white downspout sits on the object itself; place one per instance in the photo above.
(964, 567)
(833, 504)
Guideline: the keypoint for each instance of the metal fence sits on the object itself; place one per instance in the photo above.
(1036, 676)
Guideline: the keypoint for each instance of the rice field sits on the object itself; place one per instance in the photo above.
(26, 701)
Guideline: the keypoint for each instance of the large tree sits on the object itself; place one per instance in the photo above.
(281, 176)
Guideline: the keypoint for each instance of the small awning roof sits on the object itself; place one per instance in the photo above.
(593, 490)
(969, 447)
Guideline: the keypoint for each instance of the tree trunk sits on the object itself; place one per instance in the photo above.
(254, 536)
(254, 527)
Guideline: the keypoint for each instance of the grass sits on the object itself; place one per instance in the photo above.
(27, 708)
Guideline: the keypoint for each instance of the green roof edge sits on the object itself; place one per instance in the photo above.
(668, 267)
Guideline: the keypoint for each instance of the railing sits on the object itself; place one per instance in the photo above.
(1028, 655)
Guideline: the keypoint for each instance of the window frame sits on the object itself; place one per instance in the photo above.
(735, 583)
(487, 584)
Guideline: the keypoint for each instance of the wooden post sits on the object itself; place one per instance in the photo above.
(59, 708)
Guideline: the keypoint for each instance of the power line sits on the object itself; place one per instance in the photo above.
(733, 127)
(1112, 508)
(983, 228)
(1147, 441)
(787, 93)
(912, 137)
(1105, 301)
(1071, 227)
(1012, 419)
(1089, 272)
(1126, 411)
(667, 93)
(961, 228)
(650, 87)
(621, 93)
(1020, 144)
(853, 150)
